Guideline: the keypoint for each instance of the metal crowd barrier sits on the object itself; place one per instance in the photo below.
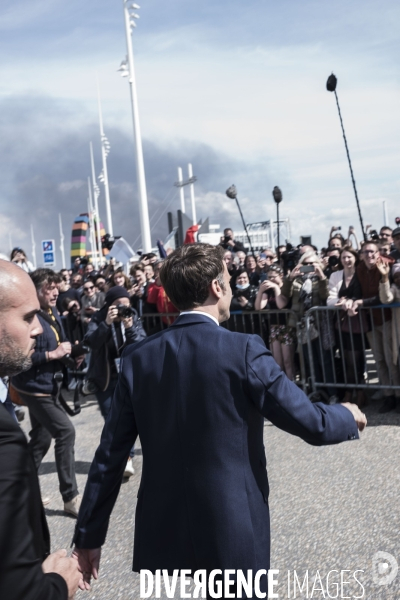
(254, 322)
(352, 353)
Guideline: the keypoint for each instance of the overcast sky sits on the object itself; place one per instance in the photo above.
(238, 89)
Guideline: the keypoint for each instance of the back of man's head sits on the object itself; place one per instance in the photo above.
(187, 273)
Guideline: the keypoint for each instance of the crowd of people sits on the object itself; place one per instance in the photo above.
(347, 274)
(272, 292)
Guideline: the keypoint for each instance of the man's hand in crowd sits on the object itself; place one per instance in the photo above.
(63, 349)
(91, 309)
(88, 561)
(67, 567)
(359, 416)
(137, 290)
(112, 314)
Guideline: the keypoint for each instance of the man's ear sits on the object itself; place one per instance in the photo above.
(215, 289)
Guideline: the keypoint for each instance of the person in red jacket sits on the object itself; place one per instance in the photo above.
(157, 296)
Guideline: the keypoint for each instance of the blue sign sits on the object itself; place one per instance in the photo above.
(48, 258)
(48, 246)
(49, 255)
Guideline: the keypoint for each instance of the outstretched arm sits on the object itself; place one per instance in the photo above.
(287, 407)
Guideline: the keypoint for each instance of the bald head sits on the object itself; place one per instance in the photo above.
(14, 283)
(19, 325)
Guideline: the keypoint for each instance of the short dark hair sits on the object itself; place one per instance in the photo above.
(187, 273)
(42, 277)
(385, 228)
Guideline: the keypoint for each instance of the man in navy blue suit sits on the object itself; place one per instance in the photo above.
(197, 395)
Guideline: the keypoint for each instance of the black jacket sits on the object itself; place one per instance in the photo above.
(97, 337)
(24, 535)
(39, 379)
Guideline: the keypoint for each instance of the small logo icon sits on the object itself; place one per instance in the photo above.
(384, 568)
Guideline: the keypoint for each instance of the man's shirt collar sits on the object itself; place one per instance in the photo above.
(199, 312)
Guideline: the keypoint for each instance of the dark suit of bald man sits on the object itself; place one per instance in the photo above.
(24, 535)
(197, 395)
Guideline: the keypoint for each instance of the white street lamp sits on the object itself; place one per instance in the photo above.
(33, 248)
(127, 70)
(96, 194)
(92, 237)
(62, 249)
(103, 177)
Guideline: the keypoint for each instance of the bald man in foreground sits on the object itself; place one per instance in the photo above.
(27, 570)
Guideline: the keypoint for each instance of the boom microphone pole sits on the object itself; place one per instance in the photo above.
(231, 192)
(331, 87)
(277, 195)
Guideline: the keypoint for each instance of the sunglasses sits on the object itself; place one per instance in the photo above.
(88, 288)
(275, 268)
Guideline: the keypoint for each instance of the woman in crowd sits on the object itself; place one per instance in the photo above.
(282, 337)
(19, 257)
(243, 300)
(344, 288)
(307, 286)
(250, 264)
(119, 278)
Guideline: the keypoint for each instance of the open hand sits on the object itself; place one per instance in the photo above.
(384, 269)
(88, 562)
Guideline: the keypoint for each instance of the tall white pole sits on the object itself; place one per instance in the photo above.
(61, 242)
(181, 190)
(10, 241)
(33, 247)
(143, 207)
(92, 233)
(96, 205)
(192, 198)
(385, 215)
(105, 148)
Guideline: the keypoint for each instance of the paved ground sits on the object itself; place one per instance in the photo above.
(331, 508)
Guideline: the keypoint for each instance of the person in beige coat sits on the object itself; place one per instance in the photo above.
(387, 295)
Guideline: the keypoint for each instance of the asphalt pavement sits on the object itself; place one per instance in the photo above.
(332, 510)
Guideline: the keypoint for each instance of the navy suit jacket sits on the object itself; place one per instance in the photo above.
(197, 395)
